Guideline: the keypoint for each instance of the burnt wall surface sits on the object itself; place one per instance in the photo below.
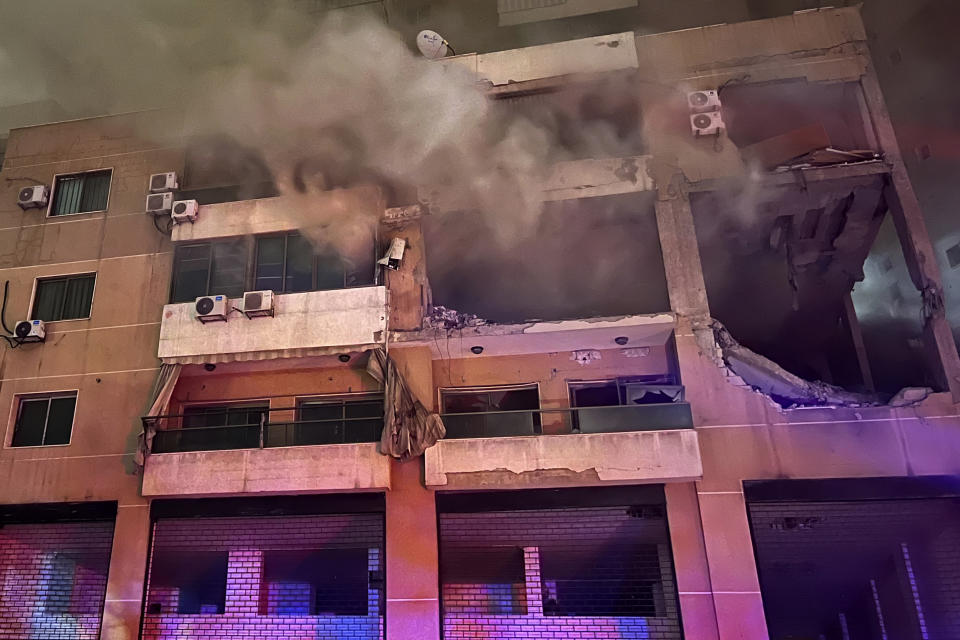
(583, 258)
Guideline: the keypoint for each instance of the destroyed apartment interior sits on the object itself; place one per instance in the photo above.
(480, 320)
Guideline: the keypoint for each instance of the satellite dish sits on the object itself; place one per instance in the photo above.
(432, 45)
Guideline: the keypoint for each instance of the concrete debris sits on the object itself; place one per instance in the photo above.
(783, 387)
(441, 317)
(910, 395)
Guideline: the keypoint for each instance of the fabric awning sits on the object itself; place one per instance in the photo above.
(159, 402)
(408, 428)
(254, 356)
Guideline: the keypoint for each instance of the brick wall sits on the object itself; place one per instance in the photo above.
(559, 551)
(53, 579)
(254, 605)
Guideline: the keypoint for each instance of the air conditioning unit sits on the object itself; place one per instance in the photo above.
(184, 211)
(159, 203)
(160, 182)
(703, 101)
(33, 197)
(706, 124)
(258, 303)
(212, 308)
(30, 331)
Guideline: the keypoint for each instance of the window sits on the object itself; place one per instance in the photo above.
(624, 391)
(290, 263)
(44, 420)
(493, 411)
(66, 298)
(333, 421)
(210, 268)
(316, 582)
(81, 192)
(629, 404)
(187, 582)
(221, 427)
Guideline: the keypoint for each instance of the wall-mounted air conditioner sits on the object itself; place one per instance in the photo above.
(30, 331)
(35, 197)
(160, 182)
(703, 101)
(184, 211)
(706, 124)
(159, 203)
(258, 303)
(212, 308)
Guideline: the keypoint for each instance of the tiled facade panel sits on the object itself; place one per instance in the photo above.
(266, 577)
(890, 568)
(53, 579)
(540, 574)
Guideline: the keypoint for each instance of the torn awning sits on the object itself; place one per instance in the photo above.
(159, 401)
(408, 428)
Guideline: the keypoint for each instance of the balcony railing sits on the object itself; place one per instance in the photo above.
(611, 419)
(264, 434)
(488, 424)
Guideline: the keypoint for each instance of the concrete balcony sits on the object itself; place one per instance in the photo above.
(326, 468)
(614, 445)
(278, 214)
(303, 324)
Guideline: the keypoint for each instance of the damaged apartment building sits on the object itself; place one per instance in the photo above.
(669, 414)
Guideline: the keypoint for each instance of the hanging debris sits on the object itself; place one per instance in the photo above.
(783, 387)
(441, 317)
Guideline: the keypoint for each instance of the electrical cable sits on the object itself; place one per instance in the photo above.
(3, 308)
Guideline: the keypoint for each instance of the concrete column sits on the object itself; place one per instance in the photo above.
(413, 598)
(732, 567)
(244, 575)
(126, 577)
(531, 573)
(941, 349)
(690, 562)
(681, 254)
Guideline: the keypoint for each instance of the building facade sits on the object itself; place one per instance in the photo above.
(172, 470)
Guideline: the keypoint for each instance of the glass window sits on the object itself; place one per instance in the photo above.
(338, 420)
(66, 298)
(291, 263)
(491, 412)
(44, 420)
(217, 268)
(81, 192)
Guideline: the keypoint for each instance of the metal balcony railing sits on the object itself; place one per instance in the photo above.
(172, 437)
(265, 434)
(610, 419)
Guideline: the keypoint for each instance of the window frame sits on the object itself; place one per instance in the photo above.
(226, 405)
(53, 192)
(15, 415)
(314, 262)
(520, 386)
(243, 241)
(66, 277)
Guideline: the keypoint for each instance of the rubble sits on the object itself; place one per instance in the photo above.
(783, 387)
(440, 317)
